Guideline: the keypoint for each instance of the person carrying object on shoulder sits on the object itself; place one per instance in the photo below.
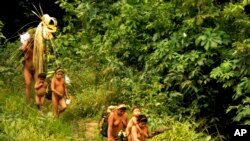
(117, 123)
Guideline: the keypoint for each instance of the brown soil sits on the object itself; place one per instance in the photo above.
(87, 131)
(91, 129)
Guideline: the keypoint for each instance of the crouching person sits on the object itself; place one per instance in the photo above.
(140, 130)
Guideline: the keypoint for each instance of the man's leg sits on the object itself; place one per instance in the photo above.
(55, 105)
(42, 102)
(38, 102)
(63, 105)
(28, 80)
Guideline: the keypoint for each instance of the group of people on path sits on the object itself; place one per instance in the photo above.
(121, 128)
(41, 86)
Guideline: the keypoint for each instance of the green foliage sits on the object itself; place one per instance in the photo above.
(181, 131)
(11, 66)
(176, 55)
(20, 121)
(184, 58)
(2, 37)
(91, 103)
(212, 39)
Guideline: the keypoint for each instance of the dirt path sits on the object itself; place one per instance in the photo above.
(91, 128)
(87, 131)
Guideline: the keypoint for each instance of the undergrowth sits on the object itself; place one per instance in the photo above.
(21, 121)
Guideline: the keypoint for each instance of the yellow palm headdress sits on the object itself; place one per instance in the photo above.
(44, 30)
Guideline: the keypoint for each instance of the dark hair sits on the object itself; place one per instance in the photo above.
(42, 75)
(142, 118)
(124, 109)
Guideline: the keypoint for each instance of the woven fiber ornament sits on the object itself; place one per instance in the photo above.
(44, 31)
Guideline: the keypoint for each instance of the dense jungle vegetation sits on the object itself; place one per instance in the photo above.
(185, 62)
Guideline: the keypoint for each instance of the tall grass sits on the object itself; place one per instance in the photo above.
(180, 131)
(20, 121)
(91, 102)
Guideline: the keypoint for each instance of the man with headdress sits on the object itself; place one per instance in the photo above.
(34, 50)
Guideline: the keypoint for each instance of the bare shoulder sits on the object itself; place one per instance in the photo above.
(133, 120)
(125, 114)
(130, 122)
(52, 79)
(111, 114)
(133, 128)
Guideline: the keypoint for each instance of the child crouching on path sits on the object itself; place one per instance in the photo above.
(59, 92)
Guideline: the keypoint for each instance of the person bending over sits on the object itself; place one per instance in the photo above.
(140, 131)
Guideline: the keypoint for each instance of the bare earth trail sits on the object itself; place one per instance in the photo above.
(87, 131)
(90, 129)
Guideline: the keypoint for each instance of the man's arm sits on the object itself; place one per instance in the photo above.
(157, 132)
(38, 85)
(23, 47)
(129, 126)
(148, 133)
(126, 119)
(110, 127)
